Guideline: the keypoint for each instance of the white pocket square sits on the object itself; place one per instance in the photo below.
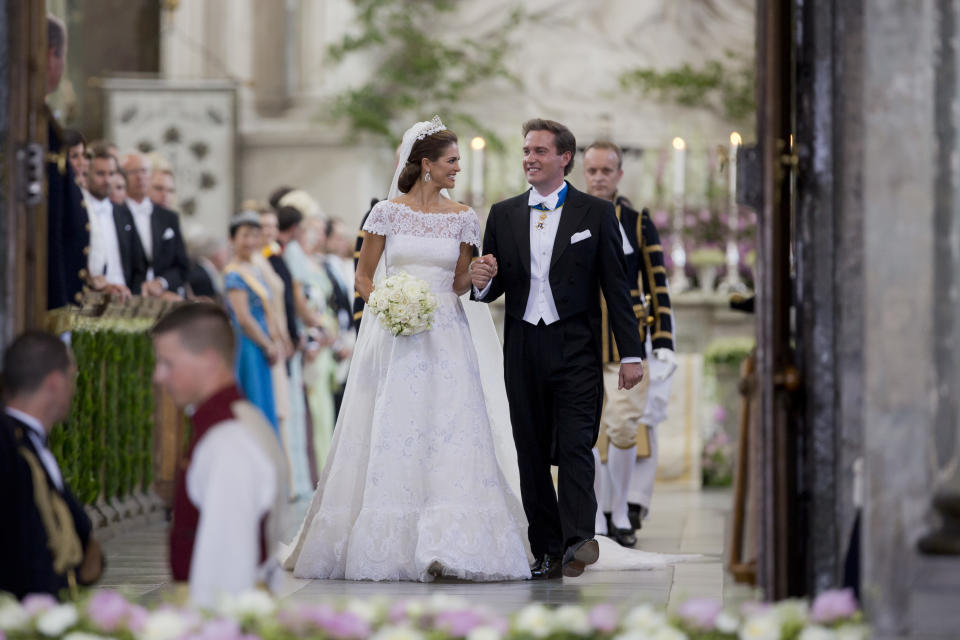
(168, 233)
(580, 235)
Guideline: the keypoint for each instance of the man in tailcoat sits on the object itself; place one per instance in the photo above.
(551, 251)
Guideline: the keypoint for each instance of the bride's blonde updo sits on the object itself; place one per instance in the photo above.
(431, 147)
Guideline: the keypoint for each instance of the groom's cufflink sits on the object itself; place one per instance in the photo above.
(580, 235)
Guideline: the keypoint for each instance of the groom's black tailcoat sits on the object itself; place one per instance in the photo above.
(554, 373)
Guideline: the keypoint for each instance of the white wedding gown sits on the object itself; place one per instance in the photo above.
(413, 487)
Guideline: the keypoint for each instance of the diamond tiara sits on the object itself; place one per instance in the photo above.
(430, 127)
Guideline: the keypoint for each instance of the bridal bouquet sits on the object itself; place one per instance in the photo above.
(404, 304)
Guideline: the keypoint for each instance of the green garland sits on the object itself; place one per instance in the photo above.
(105, 447)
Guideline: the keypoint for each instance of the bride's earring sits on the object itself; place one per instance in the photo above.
(426, 177)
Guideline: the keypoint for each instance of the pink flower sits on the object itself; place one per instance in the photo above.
(220, 630)
(604, 618)
(38, 602)
(137, 618)
(690, 220)
(458, 623)
(833, 605)
(661, 219)
(719, 413)
(701, 613)
(108, 610)
(750, 609)
(398, 612)
(705, 215)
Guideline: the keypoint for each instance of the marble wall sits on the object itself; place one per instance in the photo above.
(568, 56)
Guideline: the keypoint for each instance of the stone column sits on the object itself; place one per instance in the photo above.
(270, 57)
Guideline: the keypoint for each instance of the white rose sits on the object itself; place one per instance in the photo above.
(366, 611)
(644, 618)
(535, 620)
(394, 295)
(764, 626)
(483, 633)
(83, 635)
(253, 603)
(572, 619)
(397, 633)
(412, 290)
(669, 633)
(792, 611)
(164, 625)
(13, 617)
(55, 621)
(852, 632)
(726, 623)
(816, 632)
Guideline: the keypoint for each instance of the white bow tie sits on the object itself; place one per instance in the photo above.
(536, 198)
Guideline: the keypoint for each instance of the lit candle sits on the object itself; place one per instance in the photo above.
(732, 281)
(679, 255)
(476, 162)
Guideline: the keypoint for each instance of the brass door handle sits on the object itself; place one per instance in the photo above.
(788, 378)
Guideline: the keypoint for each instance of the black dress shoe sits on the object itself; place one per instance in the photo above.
(577, 557)
(634, 512)
(609, 518)
(624, 537)
(547, 568)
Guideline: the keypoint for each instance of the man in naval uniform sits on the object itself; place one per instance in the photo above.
(68, 228)
(46, 544)
(231, 491)
(627, 442)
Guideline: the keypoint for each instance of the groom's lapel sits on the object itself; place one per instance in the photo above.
(520, 217)
(573, 212)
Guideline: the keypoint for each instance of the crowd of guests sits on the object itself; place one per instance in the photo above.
(284, 273)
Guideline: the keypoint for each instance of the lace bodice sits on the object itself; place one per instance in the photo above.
(426, 245)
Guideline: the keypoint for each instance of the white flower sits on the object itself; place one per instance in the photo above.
(535, 620)
(440, 602)
(571, 619)
(55, 621)
(83, 635)
(391, 632)
(633, 635)
(253, 603)
(764, 626)
(791, 611)
(644, 618)
(816, 632)
(13, 617)
(669, 633)
(852, 632)
(366, 611)
(726, 623)
(483, 633)
(165, 624)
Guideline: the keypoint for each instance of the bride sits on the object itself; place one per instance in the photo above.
(413, 488)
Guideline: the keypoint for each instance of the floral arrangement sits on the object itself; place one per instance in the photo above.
(728, 351)
(716, 464)
(834, 615)
(404, 304)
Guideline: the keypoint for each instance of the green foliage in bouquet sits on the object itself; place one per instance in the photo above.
(105, 447)
(416, 64)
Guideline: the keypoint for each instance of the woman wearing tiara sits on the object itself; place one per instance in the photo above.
(412, 488)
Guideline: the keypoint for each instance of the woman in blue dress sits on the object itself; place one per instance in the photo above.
(248, 300)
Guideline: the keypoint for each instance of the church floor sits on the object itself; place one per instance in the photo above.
(682, 521)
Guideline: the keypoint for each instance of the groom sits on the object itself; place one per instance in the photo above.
(558, 249)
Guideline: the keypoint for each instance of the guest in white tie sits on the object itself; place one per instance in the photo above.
(159, 231)
(116, 262)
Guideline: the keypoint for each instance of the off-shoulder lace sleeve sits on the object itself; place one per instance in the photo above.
(378, 221)
(470, 231)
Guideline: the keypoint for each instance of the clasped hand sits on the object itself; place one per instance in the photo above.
(631, 373)
(482, 270)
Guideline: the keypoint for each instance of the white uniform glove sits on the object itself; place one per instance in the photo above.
(663, 364)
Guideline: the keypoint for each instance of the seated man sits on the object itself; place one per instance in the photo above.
(45, 541)
(229, 500)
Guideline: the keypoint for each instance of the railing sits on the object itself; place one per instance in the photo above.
(119, 447)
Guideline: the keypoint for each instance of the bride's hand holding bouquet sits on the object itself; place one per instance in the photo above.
(404, 304)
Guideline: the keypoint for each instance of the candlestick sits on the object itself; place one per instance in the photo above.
(476, 175)
(679, 281)
(732, 281)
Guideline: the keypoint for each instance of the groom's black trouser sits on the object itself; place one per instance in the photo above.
(554, 383)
